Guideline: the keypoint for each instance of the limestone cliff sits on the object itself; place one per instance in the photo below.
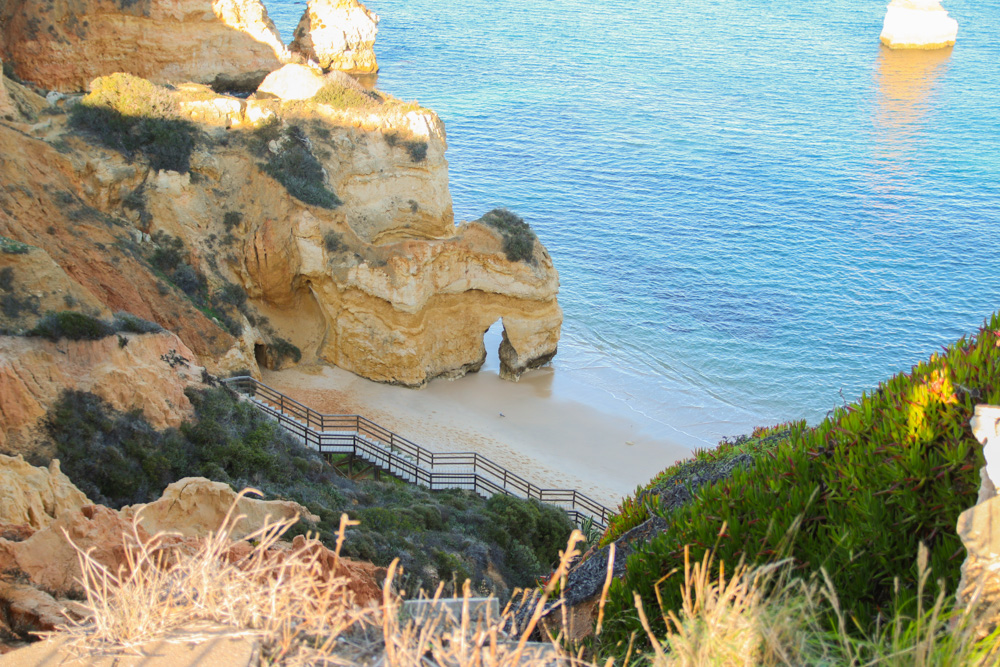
(65, 44)
(337, 34)
(310, 223)
(231, 44)
(147, 372)
(918, 24)
(354, 260)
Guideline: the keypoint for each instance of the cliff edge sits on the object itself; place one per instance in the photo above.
(308, 222)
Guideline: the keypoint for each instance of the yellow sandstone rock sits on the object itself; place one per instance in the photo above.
(145, 373)
(7, 109)
(195, 507)
(35, 496)
(383, 284)
(66, 45)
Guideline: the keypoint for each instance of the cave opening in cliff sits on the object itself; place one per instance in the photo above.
(260, 354)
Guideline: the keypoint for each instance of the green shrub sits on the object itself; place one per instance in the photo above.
(417, 150)
(13, 306)
(12, 247)
(133, 324)
(855, 495)
(539, 527)
(71, 325)
(283, 349)
(169, 252)
(518, 238)
(7, 279)
(233, 295)
(136, 117)
(232, 219)
(341, 97)
(263, 134)
(296, 168)
(333, 241)
(190, 282)
(118, 459)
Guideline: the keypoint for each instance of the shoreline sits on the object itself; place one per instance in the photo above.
(547, 428)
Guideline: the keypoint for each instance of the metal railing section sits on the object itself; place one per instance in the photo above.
(406, 460)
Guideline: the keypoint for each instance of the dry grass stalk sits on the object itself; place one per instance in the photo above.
(282, 597)
(763, 616)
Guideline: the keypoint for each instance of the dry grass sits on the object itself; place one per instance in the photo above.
(301, 616)
(764, 616)
(280, 597)
(283, 599)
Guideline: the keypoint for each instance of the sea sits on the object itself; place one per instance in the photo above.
(756, 210)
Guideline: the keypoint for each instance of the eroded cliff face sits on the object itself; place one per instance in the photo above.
(64, 44)
(147, 372)
(33, 496)
(232, 44)
(357, 263)
(7, 109)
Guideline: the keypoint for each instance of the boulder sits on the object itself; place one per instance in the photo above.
(585, 581)
(918, 24)
(25, 610)
(979, 526)
(35, 497)
(338, 35)
(64, 44)
(48, 560)
(293, 82)
(195, 507)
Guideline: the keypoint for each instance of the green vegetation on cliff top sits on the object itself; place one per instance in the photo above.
(854, 496)
(131, 115)
(119, 459)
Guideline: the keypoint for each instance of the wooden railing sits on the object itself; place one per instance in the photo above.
(402, 458)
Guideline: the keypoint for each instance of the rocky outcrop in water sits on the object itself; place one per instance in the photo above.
(979, 526)
(918, 24)
(338, 35)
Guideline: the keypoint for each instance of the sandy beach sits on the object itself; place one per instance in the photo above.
(549, 429)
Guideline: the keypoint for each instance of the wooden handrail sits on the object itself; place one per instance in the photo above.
(405, 459)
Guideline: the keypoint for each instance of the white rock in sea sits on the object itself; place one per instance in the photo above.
(918, 24)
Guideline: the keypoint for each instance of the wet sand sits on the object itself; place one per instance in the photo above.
(546, 428)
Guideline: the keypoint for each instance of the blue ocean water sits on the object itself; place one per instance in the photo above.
(757, 212)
